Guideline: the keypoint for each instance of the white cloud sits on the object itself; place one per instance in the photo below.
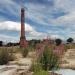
(68, 19)
(32, 33)
(14, 26)
(9, 6)
(39, 15)
(65, 5)
(6, 38)
(42, 15)
(55, 36)
(37, 35)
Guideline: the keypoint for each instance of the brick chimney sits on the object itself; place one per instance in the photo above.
(23, 42)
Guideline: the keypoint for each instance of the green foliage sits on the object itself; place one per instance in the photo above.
(31, 48)
(13, 49)
(36, 66)
(11, 56)
(70, 40)
(37, 69)
(5, 56)
(58, 42)
(42, 72)
(49, 60)
(33, 42)
(24, 52)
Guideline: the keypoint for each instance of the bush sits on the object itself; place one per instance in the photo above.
(24, 52)
(49, 60)
(5, 56)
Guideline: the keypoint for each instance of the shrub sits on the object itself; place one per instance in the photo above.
(49, 60)
(5, 56)
(24, 52)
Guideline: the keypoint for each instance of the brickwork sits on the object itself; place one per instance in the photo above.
(23, 42)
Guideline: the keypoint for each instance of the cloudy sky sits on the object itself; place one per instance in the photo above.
(52, 18)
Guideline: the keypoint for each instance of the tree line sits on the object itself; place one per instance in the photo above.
(8, 44)
(33, 42)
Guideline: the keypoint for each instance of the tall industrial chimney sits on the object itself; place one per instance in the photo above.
(23, 42)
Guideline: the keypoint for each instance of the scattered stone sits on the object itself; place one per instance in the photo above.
(18, 67)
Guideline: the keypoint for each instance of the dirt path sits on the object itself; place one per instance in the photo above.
(68, 60)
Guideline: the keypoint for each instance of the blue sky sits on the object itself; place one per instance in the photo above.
(52, 18)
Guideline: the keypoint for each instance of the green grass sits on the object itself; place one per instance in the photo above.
(49, 60)
(11, 49)
(24, 52)
(42, 72)
(5, 56)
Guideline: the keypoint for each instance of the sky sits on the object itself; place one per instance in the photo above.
(43, 18)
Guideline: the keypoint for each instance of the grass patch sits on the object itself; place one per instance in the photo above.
(49, 60)
(5, 56)
(24, 52)
(42, 72)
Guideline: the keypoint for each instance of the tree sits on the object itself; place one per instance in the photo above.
(58, 41)
(1, 43)
(70, 40)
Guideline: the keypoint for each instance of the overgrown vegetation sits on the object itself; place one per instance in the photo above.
(5, 56)
(24, 52)
(49, 60)
(37, 69)
(31, 48)
(42, 72)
